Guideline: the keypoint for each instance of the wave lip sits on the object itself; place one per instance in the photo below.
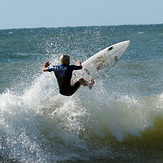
(84, 121)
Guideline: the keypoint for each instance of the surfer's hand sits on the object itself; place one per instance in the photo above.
(78, 63)
(47, 63)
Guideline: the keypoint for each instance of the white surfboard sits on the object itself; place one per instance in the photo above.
(103, 59)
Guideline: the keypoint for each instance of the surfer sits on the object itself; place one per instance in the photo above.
(63, 73)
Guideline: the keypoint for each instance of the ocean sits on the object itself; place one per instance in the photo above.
(120, 120)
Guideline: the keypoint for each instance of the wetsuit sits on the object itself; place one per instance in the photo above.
(63, 74)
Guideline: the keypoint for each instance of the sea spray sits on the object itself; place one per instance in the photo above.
(36, 121)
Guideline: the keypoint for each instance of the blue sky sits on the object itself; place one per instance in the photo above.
(62, 13)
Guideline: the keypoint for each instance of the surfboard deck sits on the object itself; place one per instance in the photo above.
(106, 58)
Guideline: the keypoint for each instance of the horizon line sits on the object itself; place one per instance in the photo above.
(14, 28)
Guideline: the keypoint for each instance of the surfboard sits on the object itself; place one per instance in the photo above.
(106, 58)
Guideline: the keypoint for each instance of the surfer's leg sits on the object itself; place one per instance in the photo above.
(83, 82)
(70, 90)
(74, 88)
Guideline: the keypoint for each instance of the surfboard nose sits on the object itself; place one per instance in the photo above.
(128, 41)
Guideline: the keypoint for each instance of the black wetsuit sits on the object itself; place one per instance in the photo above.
(63, 74)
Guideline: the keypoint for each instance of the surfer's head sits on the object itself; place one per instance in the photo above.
(64, 59)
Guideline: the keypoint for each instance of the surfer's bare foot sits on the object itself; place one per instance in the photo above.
(92, 82)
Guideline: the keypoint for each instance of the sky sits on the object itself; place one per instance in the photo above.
(63, 13)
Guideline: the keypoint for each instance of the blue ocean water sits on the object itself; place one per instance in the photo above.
(119, 120)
